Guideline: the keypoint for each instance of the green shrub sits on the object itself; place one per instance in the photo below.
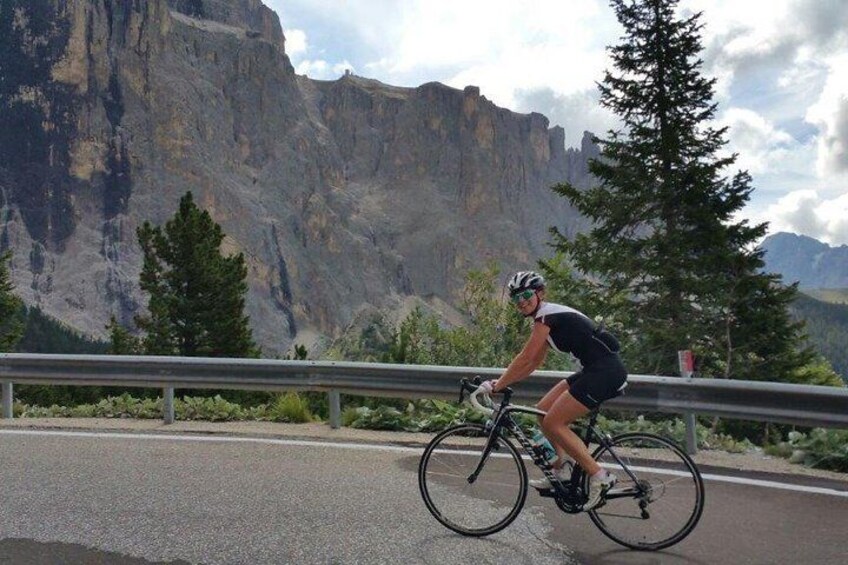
(418, 416)
(84, 411)
(381, 418)
(674, 428)
(123, 406)
(820, 449)
(215, 409)
(289, 407)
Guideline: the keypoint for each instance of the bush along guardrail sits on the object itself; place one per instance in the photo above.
(818, 448)
(288, 407)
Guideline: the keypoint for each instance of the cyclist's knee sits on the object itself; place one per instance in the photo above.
(549, 423)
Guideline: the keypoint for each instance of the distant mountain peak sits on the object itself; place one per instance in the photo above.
(806, 260)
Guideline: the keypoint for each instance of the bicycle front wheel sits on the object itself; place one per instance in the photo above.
(472, 506)
(658, 502)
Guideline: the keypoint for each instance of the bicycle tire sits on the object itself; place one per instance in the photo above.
(671, 483)
(485, 506)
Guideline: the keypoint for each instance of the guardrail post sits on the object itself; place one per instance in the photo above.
(168, 405)
(686, 363)
(691, 436)
(7, 400)
(335, 409)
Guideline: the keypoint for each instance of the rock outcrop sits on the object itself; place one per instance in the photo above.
(343, 195)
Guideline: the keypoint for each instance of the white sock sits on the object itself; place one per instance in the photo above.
(602, 474)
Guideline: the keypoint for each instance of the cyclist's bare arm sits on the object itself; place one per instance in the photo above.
(531, 357)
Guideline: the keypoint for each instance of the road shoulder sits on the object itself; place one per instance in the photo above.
(750, 462)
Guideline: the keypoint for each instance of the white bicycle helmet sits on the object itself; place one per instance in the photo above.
(525, 280)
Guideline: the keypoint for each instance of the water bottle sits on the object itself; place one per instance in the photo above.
(543, 447)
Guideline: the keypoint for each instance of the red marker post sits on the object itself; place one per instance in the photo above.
(686, 362)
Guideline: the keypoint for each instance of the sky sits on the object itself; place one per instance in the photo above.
(781, 68)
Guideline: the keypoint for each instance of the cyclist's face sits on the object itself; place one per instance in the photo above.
(526, 301)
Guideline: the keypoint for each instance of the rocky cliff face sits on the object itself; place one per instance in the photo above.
(343, 195)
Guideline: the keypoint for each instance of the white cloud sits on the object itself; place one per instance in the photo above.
(295, 42)
(501, 46)
(760, 145)
(808, 213)
(312, 68)
(770, 51)
(322, 70)
(830, 114)
(575, 113)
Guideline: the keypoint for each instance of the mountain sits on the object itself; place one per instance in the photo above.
(806, 260)
(829, 295)
(821, 271)
(827, 329)
(345, 196)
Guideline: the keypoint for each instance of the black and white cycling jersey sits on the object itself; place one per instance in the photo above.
(575, 333)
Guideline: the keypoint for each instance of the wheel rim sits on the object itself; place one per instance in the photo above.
(488, 504)
(670, 496)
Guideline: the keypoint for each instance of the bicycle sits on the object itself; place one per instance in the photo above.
(474, 480)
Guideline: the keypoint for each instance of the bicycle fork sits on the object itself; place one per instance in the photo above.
(490, 445)
(522, 439)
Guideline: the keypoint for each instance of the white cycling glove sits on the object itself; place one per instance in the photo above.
(489, 386)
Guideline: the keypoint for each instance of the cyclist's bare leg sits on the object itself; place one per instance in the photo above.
(545, 404)
(565, 410)
(552, 395)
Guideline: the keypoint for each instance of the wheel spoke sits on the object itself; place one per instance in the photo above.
(484, 506)
(668, 486)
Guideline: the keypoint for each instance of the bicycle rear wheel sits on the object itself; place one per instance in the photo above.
(485, 505)
(662, 506)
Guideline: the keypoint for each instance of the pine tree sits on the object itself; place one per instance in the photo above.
(664, 232)
(197, 295)
(11, 309)
(121, 340)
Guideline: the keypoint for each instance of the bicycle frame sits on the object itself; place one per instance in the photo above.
(503, 419)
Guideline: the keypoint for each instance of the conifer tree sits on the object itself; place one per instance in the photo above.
(121, 340)
(197, 295)
(665, 233)
(11, 308)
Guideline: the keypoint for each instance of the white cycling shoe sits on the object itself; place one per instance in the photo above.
(598, 487)
(562, 474)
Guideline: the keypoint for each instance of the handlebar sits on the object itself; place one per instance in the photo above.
(474, 389)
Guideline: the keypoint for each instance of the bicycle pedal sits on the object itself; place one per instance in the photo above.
(548, 492)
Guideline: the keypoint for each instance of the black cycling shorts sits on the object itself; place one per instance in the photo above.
(602, 380)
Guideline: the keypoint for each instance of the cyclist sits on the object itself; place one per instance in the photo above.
(602, 376)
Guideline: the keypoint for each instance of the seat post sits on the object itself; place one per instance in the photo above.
(590, 425)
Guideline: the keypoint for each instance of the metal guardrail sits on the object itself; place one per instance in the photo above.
(805, 405)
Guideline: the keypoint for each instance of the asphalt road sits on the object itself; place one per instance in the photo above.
(136, 499)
